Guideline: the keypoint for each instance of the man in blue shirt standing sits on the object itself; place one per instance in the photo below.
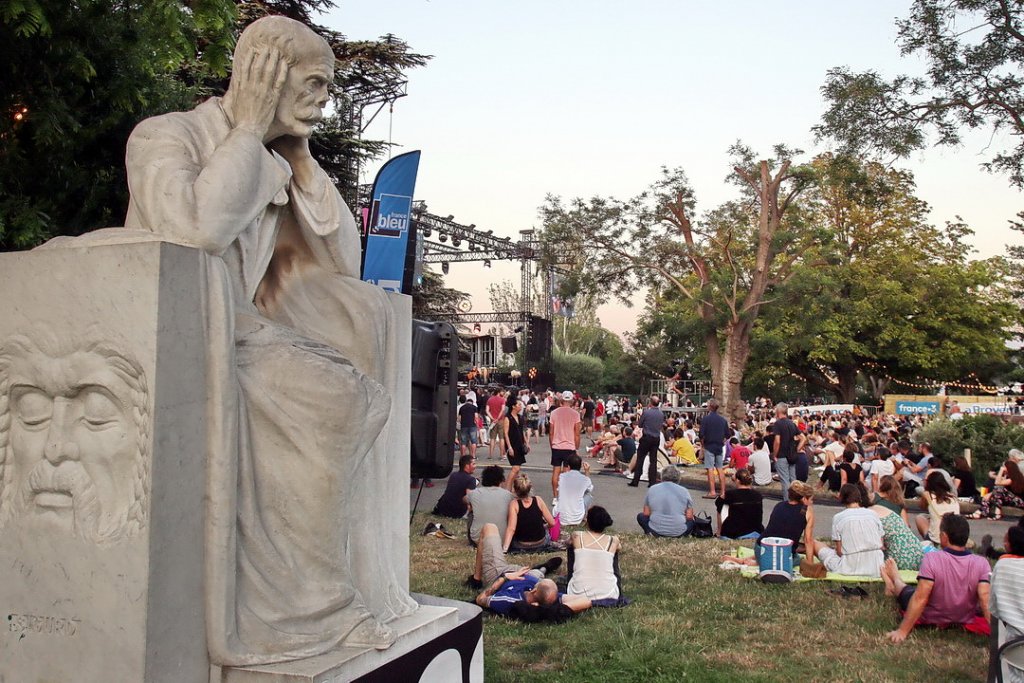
(714, 430)
(651, 422)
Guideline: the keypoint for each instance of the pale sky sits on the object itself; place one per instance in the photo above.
(583, 98)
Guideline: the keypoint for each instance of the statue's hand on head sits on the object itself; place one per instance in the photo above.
(255, 90)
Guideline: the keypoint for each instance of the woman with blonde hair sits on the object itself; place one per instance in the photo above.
(528, 518)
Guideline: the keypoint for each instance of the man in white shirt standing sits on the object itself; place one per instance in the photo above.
(575, 490)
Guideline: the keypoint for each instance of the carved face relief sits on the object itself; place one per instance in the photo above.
(303, 96)
(76, 439)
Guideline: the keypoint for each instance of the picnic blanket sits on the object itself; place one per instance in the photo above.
(909, 576)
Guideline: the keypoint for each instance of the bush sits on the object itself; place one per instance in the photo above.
(579, 371)
(988, 437)
(946, 438)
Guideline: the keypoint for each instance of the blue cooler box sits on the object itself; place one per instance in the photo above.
(776, 562)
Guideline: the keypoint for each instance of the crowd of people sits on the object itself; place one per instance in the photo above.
(877, 467)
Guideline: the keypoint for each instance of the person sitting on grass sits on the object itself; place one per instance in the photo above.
(792, 518)
(938, 499)
(452, 502)
(509, 584)
(746, 509)
(594, 559)
(952, 585)
(488, 503)
(528, 518)
(857, 533)
(889, 494)
(668, 508)
(899, 542)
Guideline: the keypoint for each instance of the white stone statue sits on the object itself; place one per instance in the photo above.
(297, 363)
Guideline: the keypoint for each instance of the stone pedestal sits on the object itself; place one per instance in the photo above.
(103, 481)
(441, 643)
(101, 366)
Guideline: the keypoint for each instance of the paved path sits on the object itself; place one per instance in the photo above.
(624, 502)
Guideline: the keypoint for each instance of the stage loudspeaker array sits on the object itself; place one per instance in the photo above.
(509, 345)
(538, 340)
(434, 392)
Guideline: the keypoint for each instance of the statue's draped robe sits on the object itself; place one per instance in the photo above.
(298, 361)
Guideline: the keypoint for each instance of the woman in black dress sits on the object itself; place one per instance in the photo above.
(515, 445)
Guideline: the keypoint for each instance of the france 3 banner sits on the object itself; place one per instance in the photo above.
(387, 251)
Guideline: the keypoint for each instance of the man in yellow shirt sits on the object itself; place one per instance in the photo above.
(682, 449)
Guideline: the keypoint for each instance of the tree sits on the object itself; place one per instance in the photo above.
(76, 78)
(432, 300)
(580, 372)
(974, 54)
(887, 294)
(723, 266)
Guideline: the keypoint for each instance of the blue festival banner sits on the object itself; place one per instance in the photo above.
(917, 407)
(386, 240)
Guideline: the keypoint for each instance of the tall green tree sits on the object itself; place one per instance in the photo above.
(432, 300)
(78, 76)
(723, 266)
(973, 51)
(884, 294)
(75, 79)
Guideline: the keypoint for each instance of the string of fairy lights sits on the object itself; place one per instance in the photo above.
(976, 385)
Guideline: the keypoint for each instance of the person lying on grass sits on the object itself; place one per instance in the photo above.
(509, 584)
(952, 585)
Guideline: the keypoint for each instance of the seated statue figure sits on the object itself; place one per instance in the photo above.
(298, 358)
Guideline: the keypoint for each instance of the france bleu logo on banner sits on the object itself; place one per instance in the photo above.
(388, 222)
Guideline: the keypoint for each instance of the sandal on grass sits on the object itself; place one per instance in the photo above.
(849, 592)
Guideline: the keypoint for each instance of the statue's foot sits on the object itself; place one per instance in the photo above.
(372, 633)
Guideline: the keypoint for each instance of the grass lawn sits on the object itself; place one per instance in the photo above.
(689, 620)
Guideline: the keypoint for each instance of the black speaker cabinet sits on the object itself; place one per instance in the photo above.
(434, 392)
(509, 345)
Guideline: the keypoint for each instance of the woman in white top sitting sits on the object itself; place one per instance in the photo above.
(594, 560)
